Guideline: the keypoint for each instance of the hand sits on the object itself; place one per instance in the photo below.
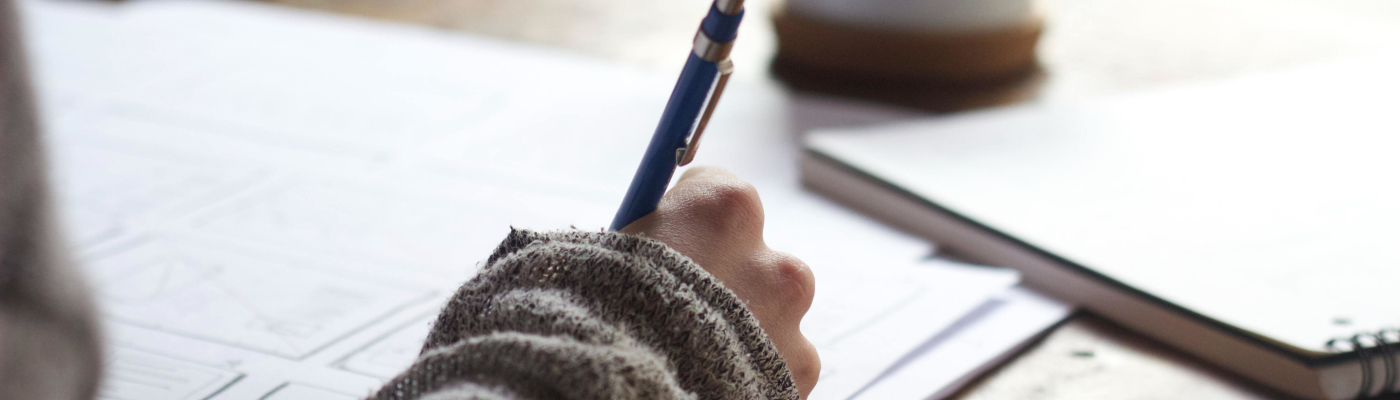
(717, 220)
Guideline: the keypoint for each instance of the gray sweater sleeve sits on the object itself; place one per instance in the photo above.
(593, 315)
(49, 343)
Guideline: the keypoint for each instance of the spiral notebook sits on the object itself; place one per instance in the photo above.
(1254, 223)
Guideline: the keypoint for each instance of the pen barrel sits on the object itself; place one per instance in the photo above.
(721, 27)
(658, 165)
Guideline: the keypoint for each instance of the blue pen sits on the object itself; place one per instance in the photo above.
(689, 109)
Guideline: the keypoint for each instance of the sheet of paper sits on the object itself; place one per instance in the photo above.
(390, 355)
(973, 345)
(303, 392)
(136, 375)
(284, 222)
(857, 341)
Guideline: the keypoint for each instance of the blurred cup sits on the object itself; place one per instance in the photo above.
(973, 52)
(919, 15)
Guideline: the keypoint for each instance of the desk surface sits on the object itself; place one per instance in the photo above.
(1090, 48)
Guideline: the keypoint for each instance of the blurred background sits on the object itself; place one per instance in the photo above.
(1088, 47)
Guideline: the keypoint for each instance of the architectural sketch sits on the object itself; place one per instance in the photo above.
(392, 353)
(196, 291)
(137, 375)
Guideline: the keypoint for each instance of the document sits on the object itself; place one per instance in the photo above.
(391, 354)
(273, 204)
(135, 375)
(975, 344)
(303, 392)
(236, 299)
(864, 325)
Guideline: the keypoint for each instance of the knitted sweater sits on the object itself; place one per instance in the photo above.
(593, 315)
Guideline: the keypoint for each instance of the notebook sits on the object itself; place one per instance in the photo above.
(1254, 223)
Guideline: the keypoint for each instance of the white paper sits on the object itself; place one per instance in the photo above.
(303, 392)
(861, 341)
(975, 344)
(279, 308)
(391, 354)
(135, 375)
(287, 198)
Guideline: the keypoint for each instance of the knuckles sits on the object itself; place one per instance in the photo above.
(792, 282)
(806, 369)
(737, 197)
(729, 204)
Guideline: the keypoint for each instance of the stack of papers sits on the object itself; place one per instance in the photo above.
(274, 204)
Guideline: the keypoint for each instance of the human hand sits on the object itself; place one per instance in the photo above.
(716, 219)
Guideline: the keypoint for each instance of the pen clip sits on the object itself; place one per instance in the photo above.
(686, 154)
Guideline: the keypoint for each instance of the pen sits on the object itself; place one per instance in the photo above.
(692, 102)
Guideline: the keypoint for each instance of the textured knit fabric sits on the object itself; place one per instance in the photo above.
(593, 315)
(49, 347)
